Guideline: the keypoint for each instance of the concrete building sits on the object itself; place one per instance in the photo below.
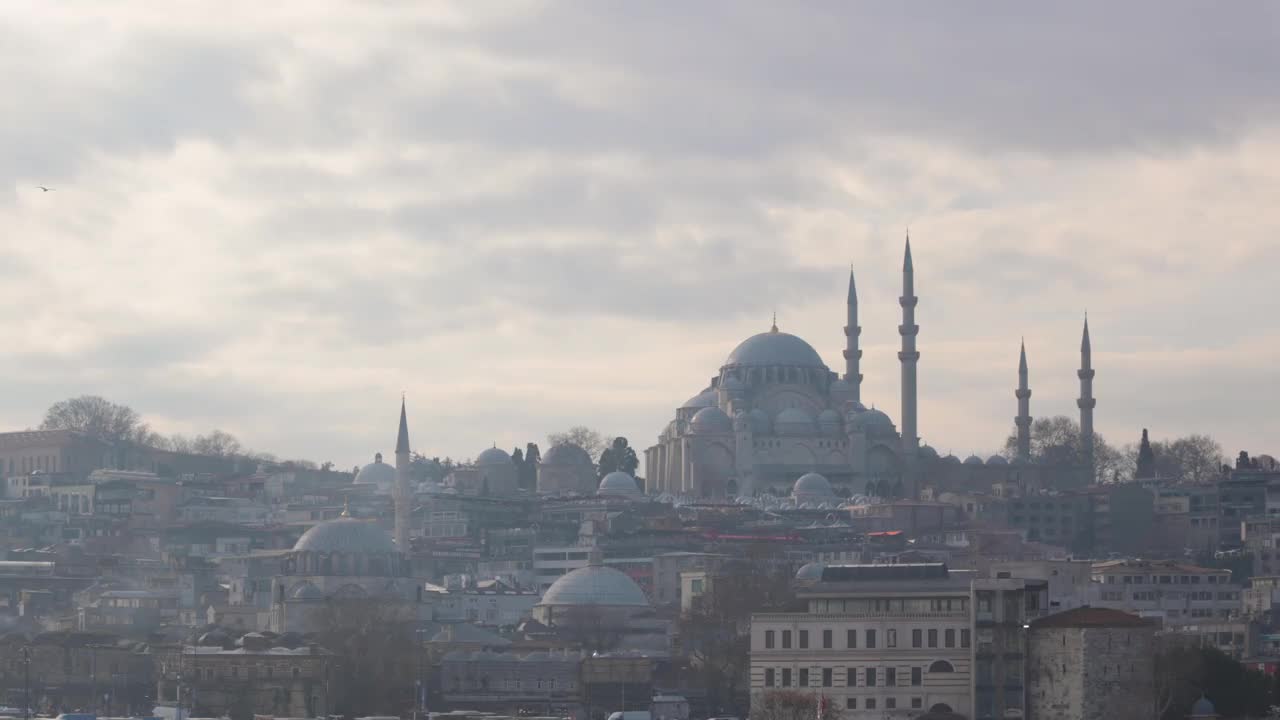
(1174, 593)
(1091, 663)
(1003, 608)
(875, 639)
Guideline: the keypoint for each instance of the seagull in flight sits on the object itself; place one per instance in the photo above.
(45, 189)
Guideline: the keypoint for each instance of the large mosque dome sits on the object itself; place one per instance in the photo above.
(595, 585)
(377, 473)
(619, 483)
(566, 454)
(346, 535)
(493, 456)
(774, 348)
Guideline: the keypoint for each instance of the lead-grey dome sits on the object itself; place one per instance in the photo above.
(812, 486)
(775, 348)
(811, 571)
(377, 473)
(760, 423)
(997, 460)
(595, 585)
(973, 460)
(566, 454)
(793, 421)
(618, 483)
(829, 422)
(346, 535)
(712, 420)
(493, 456)
(872, 420)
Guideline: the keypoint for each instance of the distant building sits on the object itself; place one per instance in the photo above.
(1091, 663)
(1174, 593)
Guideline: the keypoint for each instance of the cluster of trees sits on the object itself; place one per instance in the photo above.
(378, 655)
(1056, 440)
(1183, 674)
(610, 454)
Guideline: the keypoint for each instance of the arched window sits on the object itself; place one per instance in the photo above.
(941, 666)
(941, 708)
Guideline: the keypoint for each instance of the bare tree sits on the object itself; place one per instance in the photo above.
(375, 645)
(1193, 458)
(217, 443)
(1056, 440)
(582, 436)
(99, 417)
(791, 705)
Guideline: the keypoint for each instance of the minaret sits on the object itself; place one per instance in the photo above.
(853, 355)
(402, 497)
(1086, 404)
(908, 356)
(1023, 421)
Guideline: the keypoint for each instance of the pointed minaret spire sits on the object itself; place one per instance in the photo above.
(1086, 403)
(1023, 420)
(909, 356)
(403, 498)
(852, 353)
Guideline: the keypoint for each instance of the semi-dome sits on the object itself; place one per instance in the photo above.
(793, 421)
(618, 483)
(811, 571)
(812, 485)
(872, 420)
(712, 420)
(927, 451)
(377, 473)
(493, 456)
(760, 422)
(595, 585)
(566, 454)
(997, 460)
(346, 535)
(706, 398)
(829, 421)
(973, 460)
(774, 348)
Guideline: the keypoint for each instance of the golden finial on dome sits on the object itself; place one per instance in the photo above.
(774, 328)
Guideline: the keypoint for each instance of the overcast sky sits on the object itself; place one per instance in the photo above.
(528, 215)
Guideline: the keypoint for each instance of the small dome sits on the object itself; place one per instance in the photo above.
(874, 419)
(1203, 707)
(377, 473)
(811, 571)
(775, 348)
(706, 398)
(711, 420)
(793, 421)
(760, 423)
(493, 456)
(951, 460)
(997, 460)
(306, 591)
(973, 460)
(812, 486)
(595, 585)
(927, 451)
(346, 535)
(618, 483)
(566, 454)
(829, 421)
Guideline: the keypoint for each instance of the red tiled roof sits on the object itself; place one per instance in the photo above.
(1087, 617)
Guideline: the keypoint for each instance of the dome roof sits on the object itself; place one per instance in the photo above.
(493, 456)
(928, 452)
(377, 473)
(595, 585)
(811, 484)
(566, 454)
(973, 460)
(346, 535)
(712, 420)
(706, 398)
(811, 571)
(829, 417)
(872, 420)
(731, 382)
(951, 459)
(997, 460)
(775, 348)
(793, 421)
(618, 483)
(760, 422)
(1203, 707)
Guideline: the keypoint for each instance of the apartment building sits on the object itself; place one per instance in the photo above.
(874, 640)
(1173, 592)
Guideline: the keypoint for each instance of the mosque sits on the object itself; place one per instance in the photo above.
(776, 419)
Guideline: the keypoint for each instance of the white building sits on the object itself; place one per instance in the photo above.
(1173, 592)
(487, 602)
(552, 562)
(876, 640)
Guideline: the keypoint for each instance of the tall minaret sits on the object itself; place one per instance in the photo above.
(1023, 421)
(852, 354)
(1086, 404)
(908, 356)
(403, 499)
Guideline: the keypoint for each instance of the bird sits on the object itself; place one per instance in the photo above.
(45, 189)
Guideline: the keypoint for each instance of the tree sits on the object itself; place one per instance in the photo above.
(618, 456)
(529, 471)
(1183, 673)
(1056, 441)
(1193, 458)
(376, 650)
(216, 443)
(791, 705)
(582, 436)
(98, 417)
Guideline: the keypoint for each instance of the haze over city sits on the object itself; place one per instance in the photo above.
(531, 215)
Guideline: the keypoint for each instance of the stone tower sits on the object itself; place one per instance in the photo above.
(852, 354)
(403, 498)
(908, 356)
(1086, 403)
(1023, 420)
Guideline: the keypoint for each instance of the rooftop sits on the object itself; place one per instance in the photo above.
(1088, 617)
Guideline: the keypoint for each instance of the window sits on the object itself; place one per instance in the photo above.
(933, 638)
(826, 677)
(891, 676)
(786, 639)
(891, 638)
(851, 639)
(917, 676)
(768, 639)
(890, 703)
(939, 666)
(965, 638)
(804, 639)
(917, 703)
(826, 639)
(871, 639)
(950, 637)
(917, 638)
(871, 677)
(804, 677)
(851, 677)
(851, 703)
(786, 677)
(871, 703)
(768, 677)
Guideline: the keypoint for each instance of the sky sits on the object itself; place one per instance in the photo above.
(275, 218)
